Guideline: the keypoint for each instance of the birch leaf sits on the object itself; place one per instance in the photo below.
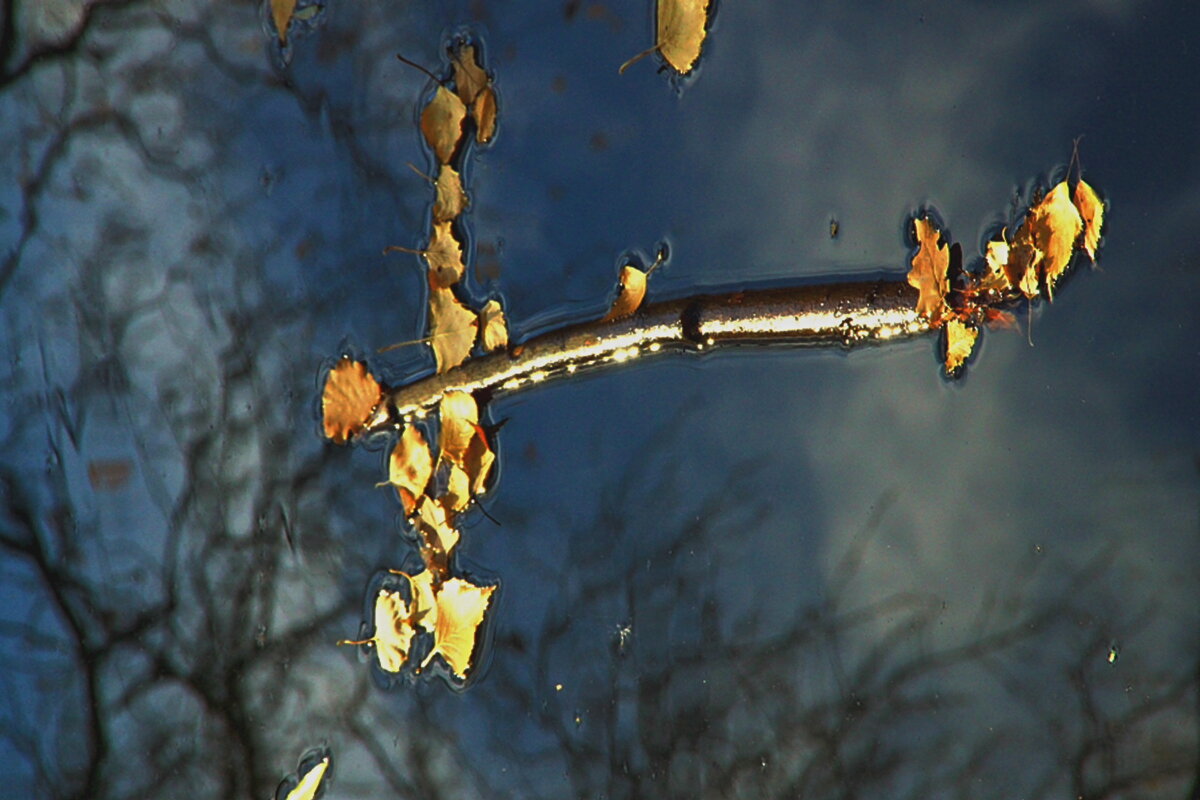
(461, 607)
(681, 31)
(435, 527)
(410, 467)
(451, 199)
(281, 14)
(493, 328)
(996, 257)
(484, 110)
(393, 631)
(424, 612)
(928, 272)
(960, 342)
(444, 256)
(459, 415)
(1091, 210)
(631, 291)
(451, 328)
(349, 398)
(310, 783)
(478, 461)
(1056, 229)
(441, 123)
(469, 77)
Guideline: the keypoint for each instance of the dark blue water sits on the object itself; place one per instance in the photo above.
(767, 573)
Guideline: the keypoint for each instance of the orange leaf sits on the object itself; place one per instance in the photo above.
(281, 13)
(928, 272)
(631, 291)
(461, 607)
(469, 77)
(441, 123)
(484, 110)
(410, 467)
(350, 395)
(451, 328)
(960, 342)
(1091, 210)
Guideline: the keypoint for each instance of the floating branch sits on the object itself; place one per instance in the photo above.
(839, 315)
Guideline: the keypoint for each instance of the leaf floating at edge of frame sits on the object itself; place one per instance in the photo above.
(351, 394)
(441, 123)
(281, 14)
(928, 271)
(310, 782)
(410, 467)
(1091, 210)
(681, 32)
(451, 328)
(493, 328)
(631, 291)
(461, 607)
(960, 343)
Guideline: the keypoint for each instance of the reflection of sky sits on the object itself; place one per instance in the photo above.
(256, 217)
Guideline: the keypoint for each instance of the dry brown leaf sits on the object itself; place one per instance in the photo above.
(928, 272)
(469, 77)
(451, 328)
(441, 123)
(281, 13)
(444, 256)
(461, 607)
(435, 527)
(484, 110)
(410, 467)
(451, 199)
(350, 395)
(493, 328)
(960, 343)
(1056, 229)
(310, 783)
(1091, 210)
(631, 291)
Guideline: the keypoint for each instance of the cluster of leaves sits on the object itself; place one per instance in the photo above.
(959, 301)
(681, 26)
(454, 327)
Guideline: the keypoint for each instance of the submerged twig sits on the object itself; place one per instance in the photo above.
(838, 314)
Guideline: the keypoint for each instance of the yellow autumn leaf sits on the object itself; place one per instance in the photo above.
(393, 631)
(461, 607)
(631, 291)
(424, 606)
(459, 416)
(410, 466)
(493, 328)
(444, 256)
(477, 462)
(469, 77)
(441, 123)
(310, 783)
(679, 33)
(485, 110)
(928, 271)
(435, 527)
(281, 14)
(451, 328)
(1056, 229)
(451, 199)
(349, 397)
(1091, 210)
(995, 257)
(960, 343)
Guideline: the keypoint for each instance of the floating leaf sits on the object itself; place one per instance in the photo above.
(444, 256)
(310, 782)
(1056, 230)
(459, 415)
(960, 342)
(493, 328)
(424, 606)
(393, 631)
(996, 256)
(461, 607)
(441, 123)
(679, 35)
(478, 461)
(451, 199)
(928, 272)
(631, 291)
(1091, 210)
(350, 395)
(410, 467)
(281, 13)
(469, 77)
(435, 528)
(484, 110)
(451, 328)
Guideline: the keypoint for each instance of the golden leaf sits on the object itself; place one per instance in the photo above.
(435, 527)
(631, 291)
(681, 31)
(444, 256)
(458, 488)
(484, 110)
(459, 415)
(478, 461)
(393, 631)
(310, 783)
(410, 467)
(996, 256)
(493, 328)
(1091, 210)
(469, 77)
(960, 342)
(451, 328)
(1056, 229)
(461, 607)
(281, 13)
(451, 199)
(350, 395)
(424, 612)
(928, 272)
(441, 123)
